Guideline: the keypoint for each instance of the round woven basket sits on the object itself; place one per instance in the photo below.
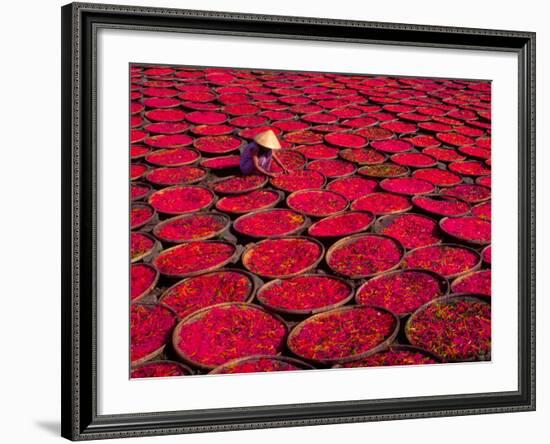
(232, 259)
(218, 233)
(158, 351)
(316, 215)
(334, 237)
(381, 346)
(174, 212)
(184, 368)
(384, 221)
(305, 312)
(195, 316)
(280, 197)
(250, 247)
(284, 359)
(438, 197)
(293, 232)
(462, 238)
(350, 239)
(213, 183)
(403, 347)
(443, 282)
(462, 296)
(152, 251)
(450, 277)
(150, 288)
(255, 281)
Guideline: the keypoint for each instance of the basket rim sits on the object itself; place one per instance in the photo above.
(299, 149)
(199, 313)
(402, 116)
(213, 183)
(197, 140)
(232, 114)
(444, 299)
(390, 136)
(309, 142)
(196, 111)
(454, 245)
(157, 351)
(280, 197)
(139, 156)
(446, 287)
(440, 134)
(347, 130)
(242, 133)
(164, 165)
(473, 202)
(294, 152)
(142, 174)
(146, 195)
(145, 101)
(459, 279)
(293, 231)
(193, 129)
(305, 116)
(287, 359)
(156, 244)
(302, 312)
(317, 190)
(382, 221)
(343, 152)
(409, 208)
(406, 347)
(150, 288)
(206, 159)
(361, 171)
(395, 138)
(294, 115)
(338, 159)
(296, 330)
(147, 128)
(349, 239)
(250, 247)
(483, 254)
(188, 371)
(416, 167)
(446, 161)
(148, 220)
(476, 175)
(233, 258)
(271, 180)
(462, 238)
(190, 182)
(231, 121)
(160, 225)
(156, 136)
(437, 196)
(387, 179)
(345, 213)
(167, 189)
(255, 282)
(346, 121)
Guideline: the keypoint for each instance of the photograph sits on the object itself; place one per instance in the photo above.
(277, 221)
(296, 220)
(272, 222)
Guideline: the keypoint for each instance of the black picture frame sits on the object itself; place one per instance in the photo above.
(79, 390)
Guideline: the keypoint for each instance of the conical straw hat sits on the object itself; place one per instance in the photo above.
(268, 140)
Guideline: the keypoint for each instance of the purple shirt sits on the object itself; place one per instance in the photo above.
(247, 158)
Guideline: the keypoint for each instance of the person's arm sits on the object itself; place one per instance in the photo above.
(260, 168)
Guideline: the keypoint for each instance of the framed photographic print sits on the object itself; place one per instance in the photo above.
(277, 221)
